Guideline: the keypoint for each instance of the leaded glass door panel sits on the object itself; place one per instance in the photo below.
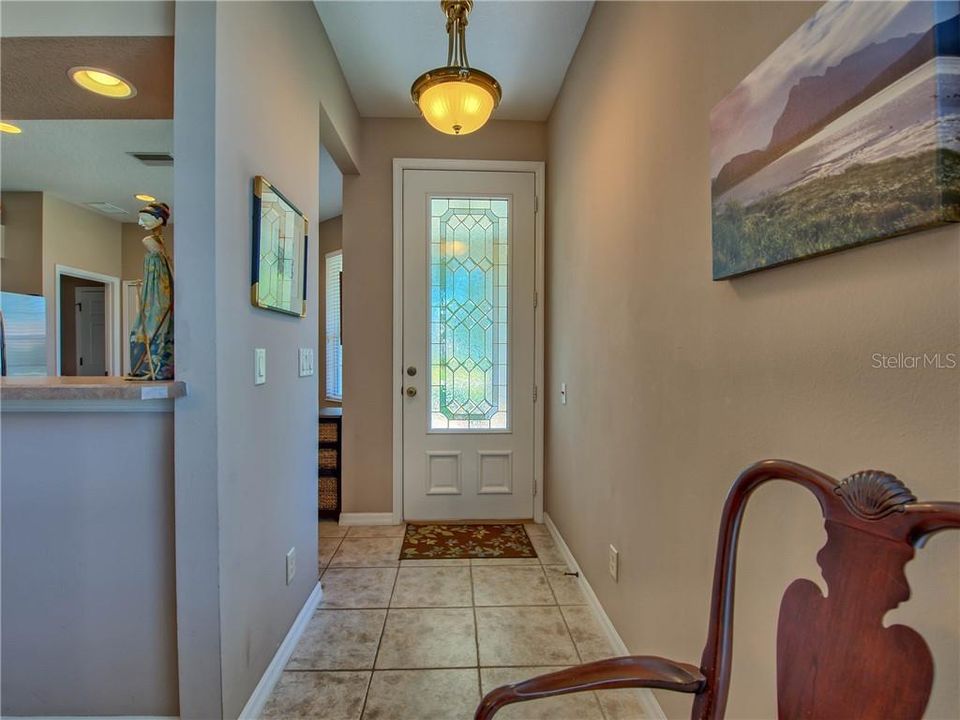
(469, 275)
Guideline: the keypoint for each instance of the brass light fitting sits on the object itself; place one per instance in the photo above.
(456, 99)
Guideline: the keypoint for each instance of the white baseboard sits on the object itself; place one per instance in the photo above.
(651, 708)
(254, 706)
(367, 518)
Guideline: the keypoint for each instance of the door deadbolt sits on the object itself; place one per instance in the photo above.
(411, 371)
(411, 391)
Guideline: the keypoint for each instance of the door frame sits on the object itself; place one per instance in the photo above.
(111, 299)
(127, 327)
(537, 168)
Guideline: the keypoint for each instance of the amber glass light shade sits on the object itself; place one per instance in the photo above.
(456, 101)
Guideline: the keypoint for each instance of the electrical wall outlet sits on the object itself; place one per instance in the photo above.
(291, 564)
(613, 563)
(306, 362)
(563, 393)
(259, 366)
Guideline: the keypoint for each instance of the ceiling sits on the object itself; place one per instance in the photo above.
(34, 81)
(99, 18)
(85, 161)
(384, 46)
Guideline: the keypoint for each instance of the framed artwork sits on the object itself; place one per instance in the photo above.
(279, 265)
(848, 133)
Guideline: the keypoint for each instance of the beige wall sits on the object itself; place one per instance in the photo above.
(132, 250)
(329, 239)
(79, 239)
(676, 383)
(21, 270)
(368, 303)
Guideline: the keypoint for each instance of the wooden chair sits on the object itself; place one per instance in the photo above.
(834, 657)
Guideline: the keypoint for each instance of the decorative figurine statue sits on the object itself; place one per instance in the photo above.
(151, 339)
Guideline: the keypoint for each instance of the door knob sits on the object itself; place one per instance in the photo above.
(411, 371)
(411, 391)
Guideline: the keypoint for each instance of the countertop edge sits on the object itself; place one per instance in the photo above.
(20, 391)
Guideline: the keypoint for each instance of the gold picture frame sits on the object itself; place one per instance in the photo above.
(279, 260)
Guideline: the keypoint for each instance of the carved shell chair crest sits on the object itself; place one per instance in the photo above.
(873, 494)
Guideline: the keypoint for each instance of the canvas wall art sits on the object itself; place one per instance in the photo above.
(848, 133)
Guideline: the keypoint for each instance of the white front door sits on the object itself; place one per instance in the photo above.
(469, 342)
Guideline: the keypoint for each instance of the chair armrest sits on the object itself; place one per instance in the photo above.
(624, 672)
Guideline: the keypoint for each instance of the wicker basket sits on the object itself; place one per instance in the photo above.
(327, 494)
(328, 432)
(327, 459)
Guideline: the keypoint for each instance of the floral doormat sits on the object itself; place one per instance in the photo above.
(434, 541)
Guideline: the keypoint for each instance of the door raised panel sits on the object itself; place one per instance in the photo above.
(444, 473)
(495, 472)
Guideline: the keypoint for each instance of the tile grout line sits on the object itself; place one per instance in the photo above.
(596, 699)
(567, 626)
(576, 649)
(332, 555)
(418, 669)
(381, 563)
(397, 566)
(451, 607)
(383, 630)
(476, 631)
(388, 564)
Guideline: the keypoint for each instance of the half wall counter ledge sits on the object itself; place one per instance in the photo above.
(88, 394)
(88, 485)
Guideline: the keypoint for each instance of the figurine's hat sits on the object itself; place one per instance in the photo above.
(161, 211)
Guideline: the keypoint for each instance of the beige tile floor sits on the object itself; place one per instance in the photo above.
(422, 639)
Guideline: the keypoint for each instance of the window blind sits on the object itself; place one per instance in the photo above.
(334, 355)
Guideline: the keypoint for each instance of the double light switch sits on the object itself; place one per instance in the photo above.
(305, 365)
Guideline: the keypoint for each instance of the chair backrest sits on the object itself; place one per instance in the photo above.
(834, 657)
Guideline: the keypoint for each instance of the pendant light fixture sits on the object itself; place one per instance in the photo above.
(456, 99)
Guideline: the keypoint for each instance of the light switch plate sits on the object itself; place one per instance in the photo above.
(259, 366)
(306, 362)
(563, 393)
(291, 564)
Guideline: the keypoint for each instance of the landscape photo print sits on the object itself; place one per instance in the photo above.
(848, 133)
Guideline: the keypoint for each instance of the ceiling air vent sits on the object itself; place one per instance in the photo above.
(106, 208)
(153, 158)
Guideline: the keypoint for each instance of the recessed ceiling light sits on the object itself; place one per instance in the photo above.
(102, 82)
(145, 198)
(10, 128)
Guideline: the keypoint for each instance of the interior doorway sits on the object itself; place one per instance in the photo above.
(88, 323)
(90, 326)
